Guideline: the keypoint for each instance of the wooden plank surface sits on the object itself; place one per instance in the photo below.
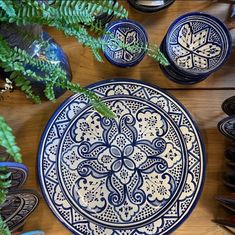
(203, 100)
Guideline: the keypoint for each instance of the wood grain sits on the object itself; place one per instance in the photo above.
(203, 100)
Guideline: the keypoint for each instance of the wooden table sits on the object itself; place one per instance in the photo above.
(203, 100)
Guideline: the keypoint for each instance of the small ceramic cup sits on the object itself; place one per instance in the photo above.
(196, 45)
(124, 43)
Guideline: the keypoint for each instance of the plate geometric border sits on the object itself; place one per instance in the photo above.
(60, 120)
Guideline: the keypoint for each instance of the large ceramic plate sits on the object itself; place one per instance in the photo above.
(140, 173)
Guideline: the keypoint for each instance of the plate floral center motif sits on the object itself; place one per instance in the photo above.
(197, 46)
(123, 171)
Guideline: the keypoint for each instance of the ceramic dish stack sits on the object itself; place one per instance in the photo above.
(20, 203)
(227, 127)
(196, 45)
(139, 173)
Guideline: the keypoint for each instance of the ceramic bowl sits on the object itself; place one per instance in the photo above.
(229, 179)
(124, 32)
(196, 45)
(19, 173)
(174, 74)
(227, 126)
(228, 106)
(230, 156)
(150, 6)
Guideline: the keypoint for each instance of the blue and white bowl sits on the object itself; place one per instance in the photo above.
(124, 32)
(19, 173)
(227, 126)
(196, 45)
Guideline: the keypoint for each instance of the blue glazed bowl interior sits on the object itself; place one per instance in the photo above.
(127, 33)
(198, 43)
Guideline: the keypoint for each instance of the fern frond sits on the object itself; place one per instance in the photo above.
(25, 86)
(7, 140)
(93, 98)
(55, 75)
(155, 52)
(7, 6)
(116, 9)
(4, 230)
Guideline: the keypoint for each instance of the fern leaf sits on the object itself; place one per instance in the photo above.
(24, 84)
(4, 230)
(8, 7)
(55, 76)
(154, 52)
(7, 140)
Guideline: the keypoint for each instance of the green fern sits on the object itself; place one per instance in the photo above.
(15, 60)
(25, 86)
(75, 18)
(4, 230)
(7, 140)
(8, 7)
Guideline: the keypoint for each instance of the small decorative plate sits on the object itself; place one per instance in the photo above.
(198, 43)
(19, 173)
(140, 173)
(18, 206)
(227, 126)
(128, 33)
(228, 106)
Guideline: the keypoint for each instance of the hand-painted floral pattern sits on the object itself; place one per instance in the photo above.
(188, 136)
(151, 229)
(125, 43)
(171, 216)
(129, 38)
(122, 164)
(197, 46)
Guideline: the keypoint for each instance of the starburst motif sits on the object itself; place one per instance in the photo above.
(194, 50)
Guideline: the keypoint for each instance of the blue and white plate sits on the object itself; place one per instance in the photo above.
(19, 173)
(140, 173)
(227, 126)
(18, 206)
